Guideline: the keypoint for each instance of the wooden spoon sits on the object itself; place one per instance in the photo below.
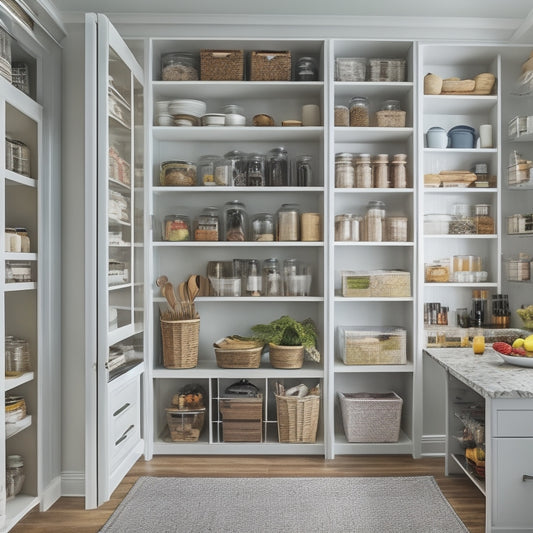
(161, 280)
(168, 293)
(193, 287)
(182, 292)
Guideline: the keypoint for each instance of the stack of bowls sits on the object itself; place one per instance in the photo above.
(187, 112)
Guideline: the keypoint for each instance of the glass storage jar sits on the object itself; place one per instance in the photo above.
(17, 356)
(238, 166)
(347, 227)
(462, 222)
(21, 76)
(18, 272)
(306, 69)
(206, 170)
(176, 228)
(234, 115)
(288, 224)
(255, 170)
(277, 167)
(342, 116)
(398, 171)
(14, 475)
(380, 171)
(303, 171)
(271, 280)
(363, 171)
(223, 172)
(253, 278)
(359, 112)
(297, 278)
(396, 228)
(206, 225)
(235, 221)
(13, 241)
(263, 227)
(17, 157)
(5, 55)
(24, 240)
(179, 66)
(483, 220)
(375, 221)
(178, 174)
(344, 171)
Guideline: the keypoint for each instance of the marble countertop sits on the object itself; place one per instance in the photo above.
(487, 374)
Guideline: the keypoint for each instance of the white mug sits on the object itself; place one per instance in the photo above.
(485, 136)
(310, 115)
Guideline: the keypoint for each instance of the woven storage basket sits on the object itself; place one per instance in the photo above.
(371, 417)
(247, 358)
(180, 343)
(297, 418)
(432, 84)
(456, 86)
(381, 69)
(222, 65)
(484, 83)
(286, 356)
(185, 425)
(390, 119)
(376, 283)
(270, 66)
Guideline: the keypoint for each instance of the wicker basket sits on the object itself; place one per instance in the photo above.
(244, 358)
(185, 425)
(453, 85)
(432, 84)
(371, 417)
(270, 66)
(286, 356)
(297, 418)
(384, 69)
(484, 83)
(376, 283)
(180, 343)
(222, 65)
(390, 119)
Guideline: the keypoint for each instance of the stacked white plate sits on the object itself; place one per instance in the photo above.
(194, 108)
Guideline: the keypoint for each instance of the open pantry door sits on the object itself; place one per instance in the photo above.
(114, 258)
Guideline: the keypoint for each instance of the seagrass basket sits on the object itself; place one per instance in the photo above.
(484, 83)
(286, 356)
(270, 66)
(243, 358)
(222, 65)
(180, 343)
(297, 418)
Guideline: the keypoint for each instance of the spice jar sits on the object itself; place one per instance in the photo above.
(396, 228)
(342, 116)
(359, 112)
(206, 170)
(380, 171)
(235, 221)
(375, 221)
(363, 171)
(398, 171)
(176, 228)
(178, 173)
(306, 69)
(179, 66)
(255, 170)
(206, 225)
(303, 174)
(271, 278)
(14, 475)
(347, 227)
(277, 168)
(253, 278)
(344, 171)
(482, 219)
(288, 226)
(238, 163)
(263, 227)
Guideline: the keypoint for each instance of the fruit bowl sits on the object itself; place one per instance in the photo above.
(516, 360)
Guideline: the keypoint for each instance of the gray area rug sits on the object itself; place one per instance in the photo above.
(272, 505)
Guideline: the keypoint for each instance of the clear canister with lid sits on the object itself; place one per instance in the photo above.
(462, 222)
(344, 171)
(303, 171)
(206, 170)
(380, 171)
(363, 171)
(15, 475)
(483, 219)
(342, 116)
(223, 172)
(391, 105)
(206, 225)
(375, 221)
(271, 279)
(347, 227)
(396, 228)
(17, 356)
(263, 227)
(306, 69)
(24, 240)
(234, 115)
(255, 170)
(177, 228)
(235, 221)
(238, 167)
(288, 223)
(359, 111)
(277, 167)
(17, 157)
(398, 171)
(179, 66)
(254, 280)
(177, 174)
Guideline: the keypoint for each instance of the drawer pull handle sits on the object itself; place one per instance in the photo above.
(123, 408)
(124, 436)
(526, 477)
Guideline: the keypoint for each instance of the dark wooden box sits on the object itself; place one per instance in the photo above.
(242, 419)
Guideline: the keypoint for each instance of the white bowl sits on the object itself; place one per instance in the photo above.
(234, 119)
(165, 120)
(161, 107)
(213, 119)
(196, 108)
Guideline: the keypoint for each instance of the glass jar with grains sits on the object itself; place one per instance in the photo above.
(179, 66)
(359, 112)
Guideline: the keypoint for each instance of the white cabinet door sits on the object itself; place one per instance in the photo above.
(114, 235)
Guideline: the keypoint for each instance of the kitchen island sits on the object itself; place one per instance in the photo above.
(503, 393)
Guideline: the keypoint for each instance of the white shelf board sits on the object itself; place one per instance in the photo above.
(373, 190)
(479, 483)
(373, 299)
(371, 134)
(473, 236)
(17, 427)
(119, 334)
(254, 299)
(237, 133)
(218, 189)
(19, 256)
(342, 446)
(374, 243)
(473, 151)
(18, 507)
(13, 382)
(458, 104)
(524, 138)
(118, 222)
(459, 190)
(13, 178)
(119, 286)
(119, 185)
(473, 285)
(14, 287)
(340, 367)
(528, 185)
(238, 244)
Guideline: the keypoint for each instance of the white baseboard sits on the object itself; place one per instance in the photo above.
(51, 493)
(73, 484)
(433, 445)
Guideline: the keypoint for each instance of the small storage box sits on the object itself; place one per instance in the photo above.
(367, 345)
(390, 119)
(386, 69)
(350, 69)
(185, 425)
(222, 65)
(242, 419)
(376, 283)
(371, 417)
(270, 66)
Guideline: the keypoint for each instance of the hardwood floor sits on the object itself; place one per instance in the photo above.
(69, 516)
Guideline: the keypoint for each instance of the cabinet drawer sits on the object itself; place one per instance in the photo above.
(128, 393)
(512, 496)
(123, 444)
(123, 418)
(513, 423)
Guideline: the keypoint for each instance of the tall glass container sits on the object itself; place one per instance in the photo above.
(235, 221)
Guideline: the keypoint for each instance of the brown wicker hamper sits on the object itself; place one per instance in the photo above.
(297, 418)
(180, 343)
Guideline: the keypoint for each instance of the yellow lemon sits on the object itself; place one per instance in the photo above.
(528, 343)
(518, 343)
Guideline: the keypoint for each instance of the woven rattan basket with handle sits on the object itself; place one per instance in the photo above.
(180, 343)
(286, 356)
(297, 418)
(243, 358)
